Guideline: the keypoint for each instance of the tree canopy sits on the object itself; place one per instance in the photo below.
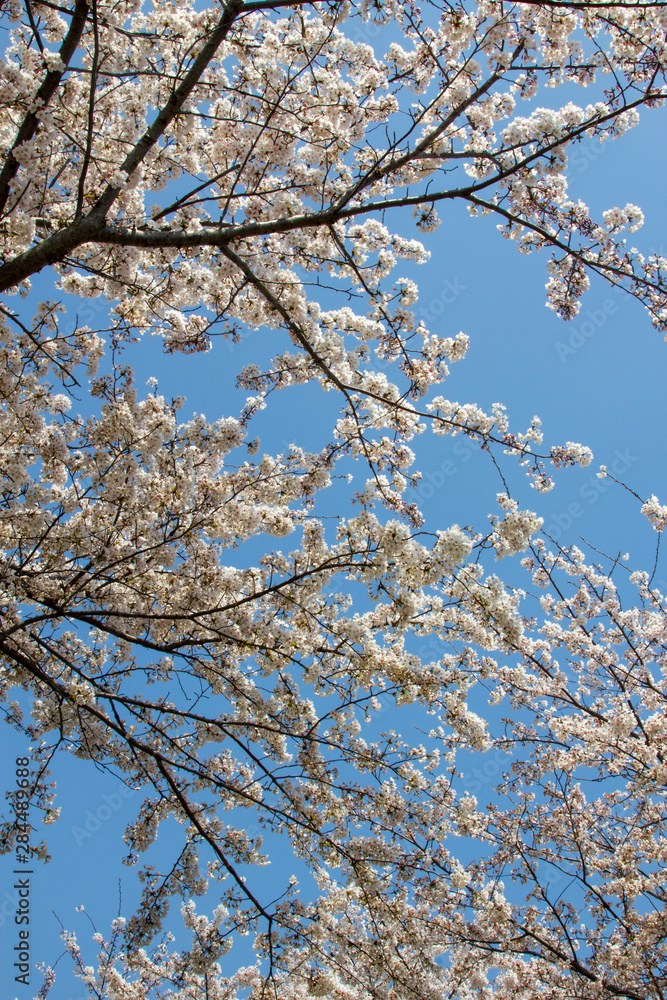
(207, 169)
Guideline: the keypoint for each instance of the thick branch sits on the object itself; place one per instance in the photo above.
(172, 107)
(42, 98)
(56, 247)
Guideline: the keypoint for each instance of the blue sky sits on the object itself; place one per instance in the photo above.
(603, 387)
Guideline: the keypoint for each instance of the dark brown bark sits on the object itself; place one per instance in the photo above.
(42, 98)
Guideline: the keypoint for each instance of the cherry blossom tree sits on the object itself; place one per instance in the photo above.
(277, 140)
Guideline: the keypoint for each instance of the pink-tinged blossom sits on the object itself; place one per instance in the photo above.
(655, 512)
